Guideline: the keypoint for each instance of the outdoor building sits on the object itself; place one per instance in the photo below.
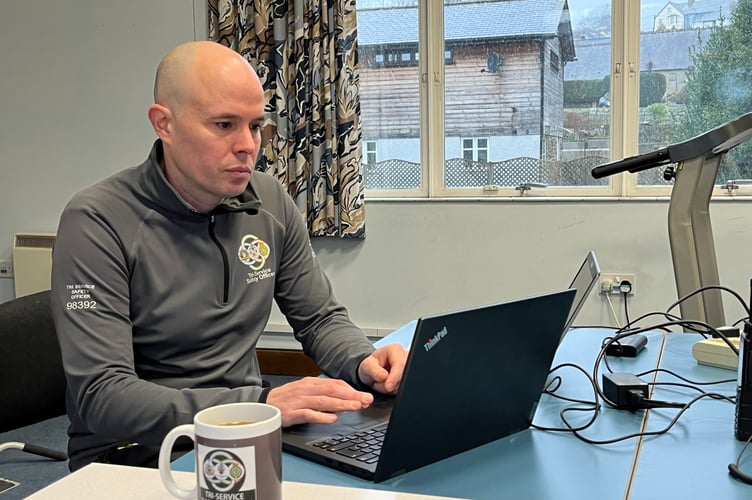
(662, 52)
(506, 117)
(692, 14)
(503, 81)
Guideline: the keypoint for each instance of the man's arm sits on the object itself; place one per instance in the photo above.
(305, 296)
(91, 309)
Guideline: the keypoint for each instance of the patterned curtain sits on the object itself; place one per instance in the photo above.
(305, 52)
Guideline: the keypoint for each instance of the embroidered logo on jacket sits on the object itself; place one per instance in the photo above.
(253, 252)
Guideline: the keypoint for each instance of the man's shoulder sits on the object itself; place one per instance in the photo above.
(113, 190)
(270, 191)
(266, 181)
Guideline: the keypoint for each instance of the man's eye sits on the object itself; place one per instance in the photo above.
(224, 125)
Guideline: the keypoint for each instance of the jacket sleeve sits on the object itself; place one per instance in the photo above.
(305, 296)
(90, 306)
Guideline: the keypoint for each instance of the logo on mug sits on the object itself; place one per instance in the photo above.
(224, 472)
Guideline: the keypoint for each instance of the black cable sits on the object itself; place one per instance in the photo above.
(601, 357)
(688, 381)
(556, 383)
(735, 470)
(646, 433)
(643, 403)
(668, 316)
(712, 287)
(685, 386)
(592, 406)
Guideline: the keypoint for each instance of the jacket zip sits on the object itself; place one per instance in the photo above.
(225, 264)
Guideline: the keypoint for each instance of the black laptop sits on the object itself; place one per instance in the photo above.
(472, 376)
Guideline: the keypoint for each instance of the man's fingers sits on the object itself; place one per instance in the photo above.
(304, 416)
(316, 400)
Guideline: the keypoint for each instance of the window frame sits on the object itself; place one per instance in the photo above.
(623, 121)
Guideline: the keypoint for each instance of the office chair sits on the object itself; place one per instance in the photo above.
(32, 381)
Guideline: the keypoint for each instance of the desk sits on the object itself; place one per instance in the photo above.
(531, 464)
(118, 482)
(690, 461)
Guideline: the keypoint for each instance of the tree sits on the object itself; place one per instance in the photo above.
(592, 23)
(719, 86)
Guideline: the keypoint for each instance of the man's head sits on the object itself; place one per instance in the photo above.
(208, 110)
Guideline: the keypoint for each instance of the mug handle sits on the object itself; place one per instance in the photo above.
(165, 472)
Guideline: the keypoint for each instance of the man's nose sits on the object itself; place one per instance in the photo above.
(247, 141)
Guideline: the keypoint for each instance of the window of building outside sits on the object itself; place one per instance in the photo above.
(370, 156)
(521, 92)
(475, 149)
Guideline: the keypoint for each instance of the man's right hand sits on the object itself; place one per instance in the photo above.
(316, 400)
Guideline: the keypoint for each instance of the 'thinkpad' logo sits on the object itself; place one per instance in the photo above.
(253, 252)
(223, 471)
(435, 339)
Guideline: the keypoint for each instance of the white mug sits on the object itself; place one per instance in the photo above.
(238, 453)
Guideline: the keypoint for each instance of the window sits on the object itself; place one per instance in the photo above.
(384, 56)
(554, 58)
(543, 99)
(701, 89)
(475, 149)
(370, 152)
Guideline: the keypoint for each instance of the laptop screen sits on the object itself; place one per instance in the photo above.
(583, 282)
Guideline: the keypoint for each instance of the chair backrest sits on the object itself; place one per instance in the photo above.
(32, 381)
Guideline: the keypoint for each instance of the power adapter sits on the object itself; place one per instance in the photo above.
(628, 347)
(625, 390)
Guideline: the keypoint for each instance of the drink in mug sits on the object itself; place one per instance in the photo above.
(238, 453)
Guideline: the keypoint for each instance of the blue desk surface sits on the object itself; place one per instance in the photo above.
(32, 471)
(690, 461)
(531, 464)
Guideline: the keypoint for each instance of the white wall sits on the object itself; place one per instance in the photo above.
(73, 110)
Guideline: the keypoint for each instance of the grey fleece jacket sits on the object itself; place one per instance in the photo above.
(158, 308)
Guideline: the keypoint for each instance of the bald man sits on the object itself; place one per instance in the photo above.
(164, 276)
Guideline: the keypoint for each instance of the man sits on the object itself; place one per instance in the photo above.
(164, 276)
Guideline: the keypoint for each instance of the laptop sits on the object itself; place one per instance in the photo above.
(443, 406)
(583, 282)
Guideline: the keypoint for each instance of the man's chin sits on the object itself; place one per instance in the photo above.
(237, 188)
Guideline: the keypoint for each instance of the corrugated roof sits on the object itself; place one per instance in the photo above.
(472, 21)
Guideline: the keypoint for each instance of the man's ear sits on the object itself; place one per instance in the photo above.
(161, 120)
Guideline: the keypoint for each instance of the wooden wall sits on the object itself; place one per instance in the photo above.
(478, 102)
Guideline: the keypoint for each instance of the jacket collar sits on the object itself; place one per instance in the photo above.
(155, 184)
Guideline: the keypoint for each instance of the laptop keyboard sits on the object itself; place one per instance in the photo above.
(364, 446)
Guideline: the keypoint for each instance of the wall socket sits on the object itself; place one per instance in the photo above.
(610, 283)
(6, 269)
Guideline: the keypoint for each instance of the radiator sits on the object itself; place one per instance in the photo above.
(32, 262)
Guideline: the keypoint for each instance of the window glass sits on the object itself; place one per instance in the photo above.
(390, 93)
(527, 97)
(543, 125)
(694, 76)
(535, 90)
